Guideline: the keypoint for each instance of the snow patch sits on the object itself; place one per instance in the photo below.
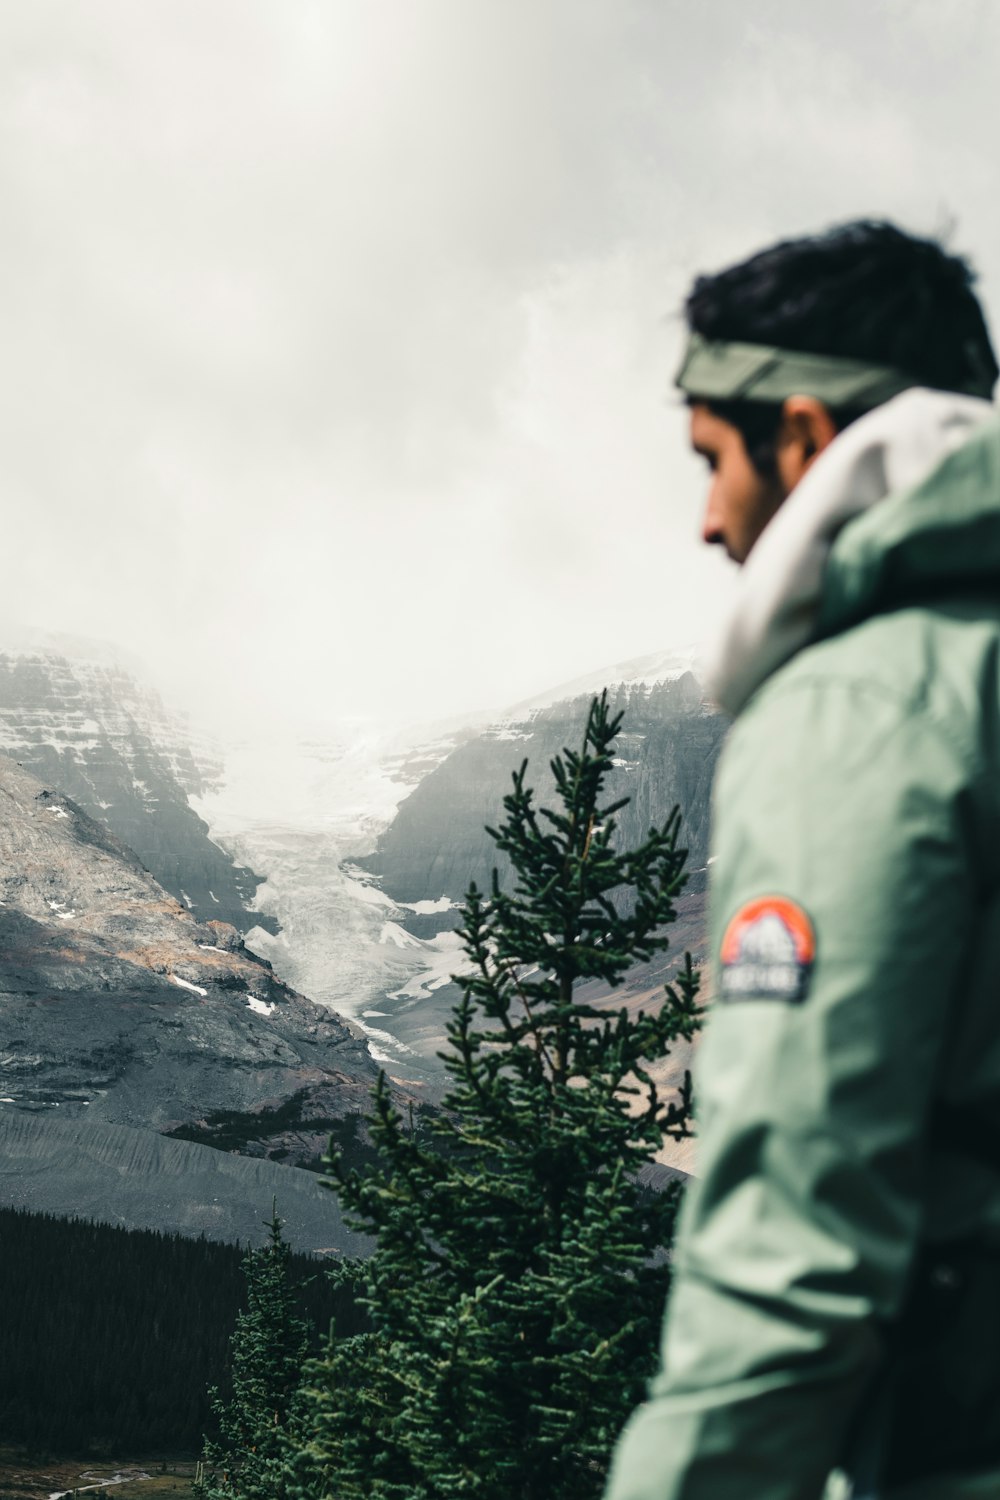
(507, 732)
(428, 908)
(441, 955)
(58, 812)
(393, 933)
(379, 1040)
(262, 1007)
(185, 984)
(364, 889)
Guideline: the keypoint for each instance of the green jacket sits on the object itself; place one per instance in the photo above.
(836, 1297)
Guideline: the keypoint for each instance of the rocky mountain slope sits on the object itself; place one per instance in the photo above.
(72, 715)
(137, 1179)
(117, 1004)
(437, 843)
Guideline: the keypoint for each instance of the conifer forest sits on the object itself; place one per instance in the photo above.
(110, 1338)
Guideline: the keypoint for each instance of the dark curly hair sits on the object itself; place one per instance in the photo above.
(865, 290)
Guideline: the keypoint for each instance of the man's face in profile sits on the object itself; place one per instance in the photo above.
(740, 501)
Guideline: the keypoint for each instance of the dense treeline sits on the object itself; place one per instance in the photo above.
(110, 1338)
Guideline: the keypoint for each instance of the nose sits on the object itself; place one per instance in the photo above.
(711, 520)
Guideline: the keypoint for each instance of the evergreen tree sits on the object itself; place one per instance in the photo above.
(267, 1351)
(520, 1269)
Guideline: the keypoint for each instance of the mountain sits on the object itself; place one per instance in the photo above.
(302, 809)
(368, 847)
(437, 843)
(137, 1179)
(118, 1005)
(72, 714)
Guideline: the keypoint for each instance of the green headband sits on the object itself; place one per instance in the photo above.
(714, 370)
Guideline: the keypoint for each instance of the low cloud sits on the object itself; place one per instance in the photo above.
(338, 338)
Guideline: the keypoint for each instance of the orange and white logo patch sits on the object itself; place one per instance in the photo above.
(767, 951)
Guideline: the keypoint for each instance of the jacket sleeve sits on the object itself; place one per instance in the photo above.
(796, 1238)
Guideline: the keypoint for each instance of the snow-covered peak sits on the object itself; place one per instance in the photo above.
(79, 699)
(29, 640)
(639, 671)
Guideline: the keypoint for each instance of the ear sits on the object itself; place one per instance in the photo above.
(806, 428)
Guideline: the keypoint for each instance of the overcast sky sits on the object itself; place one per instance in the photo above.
(337, 335)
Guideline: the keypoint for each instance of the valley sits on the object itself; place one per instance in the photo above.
(145, 1039)
(134, 1478)
(367, 849)
(187, 1021)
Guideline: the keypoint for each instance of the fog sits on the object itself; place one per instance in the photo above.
(338, 337)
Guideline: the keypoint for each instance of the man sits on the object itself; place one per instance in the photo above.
(836, 1297)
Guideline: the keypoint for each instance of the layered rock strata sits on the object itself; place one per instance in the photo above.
(88, 728)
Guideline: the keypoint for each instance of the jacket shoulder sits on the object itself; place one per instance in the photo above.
(908, 702)
(935, 667)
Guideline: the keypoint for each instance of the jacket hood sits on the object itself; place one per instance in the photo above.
(903, 504)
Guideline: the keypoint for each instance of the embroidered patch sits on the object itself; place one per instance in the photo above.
(767, 952)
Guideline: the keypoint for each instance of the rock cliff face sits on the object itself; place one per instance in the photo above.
(86, 727)
(666, 754)
(117, 1004)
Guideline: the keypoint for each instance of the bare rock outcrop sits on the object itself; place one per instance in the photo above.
(117, 1004)
(75, 717)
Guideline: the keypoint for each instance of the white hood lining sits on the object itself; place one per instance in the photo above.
(778, 593)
